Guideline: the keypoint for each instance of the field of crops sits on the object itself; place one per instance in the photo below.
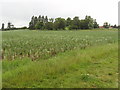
(44, 44)
(60, 59)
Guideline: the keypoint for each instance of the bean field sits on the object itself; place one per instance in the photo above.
(44, 44)
(60, 59)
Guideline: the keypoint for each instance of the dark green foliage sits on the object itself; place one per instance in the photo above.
(31, 24)
(35, 20)
(9, 25)
(83, 24)
(46, 19)
(51, 20)
(68, 21)
(49, 26)
(105, 25)
(95, 24)
(59, 23)
(2, 26)
(75, 23)
(40, 19)
(43, 22)
(115, 26)
(39, 25)
(89, 22)
(23, 27)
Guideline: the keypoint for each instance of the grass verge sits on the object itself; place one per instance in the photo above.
(93, 67)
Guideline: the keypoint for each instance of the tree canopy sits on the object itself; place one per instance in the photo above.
(43, 22)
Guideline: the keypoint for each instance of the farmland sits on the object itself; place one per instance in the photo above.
(42, 44)
(76, 58)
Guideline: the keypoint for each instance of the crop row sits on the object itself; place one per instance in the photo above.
(44, 44)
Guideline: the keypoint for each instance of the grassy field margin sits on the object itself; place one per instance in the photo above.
(93, 67)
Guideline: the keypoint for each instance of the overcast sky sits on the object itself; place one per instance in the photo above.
(19, 12)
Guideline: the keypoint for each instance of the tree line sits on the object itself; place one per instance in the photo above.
(10, 26)
(43, 22)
